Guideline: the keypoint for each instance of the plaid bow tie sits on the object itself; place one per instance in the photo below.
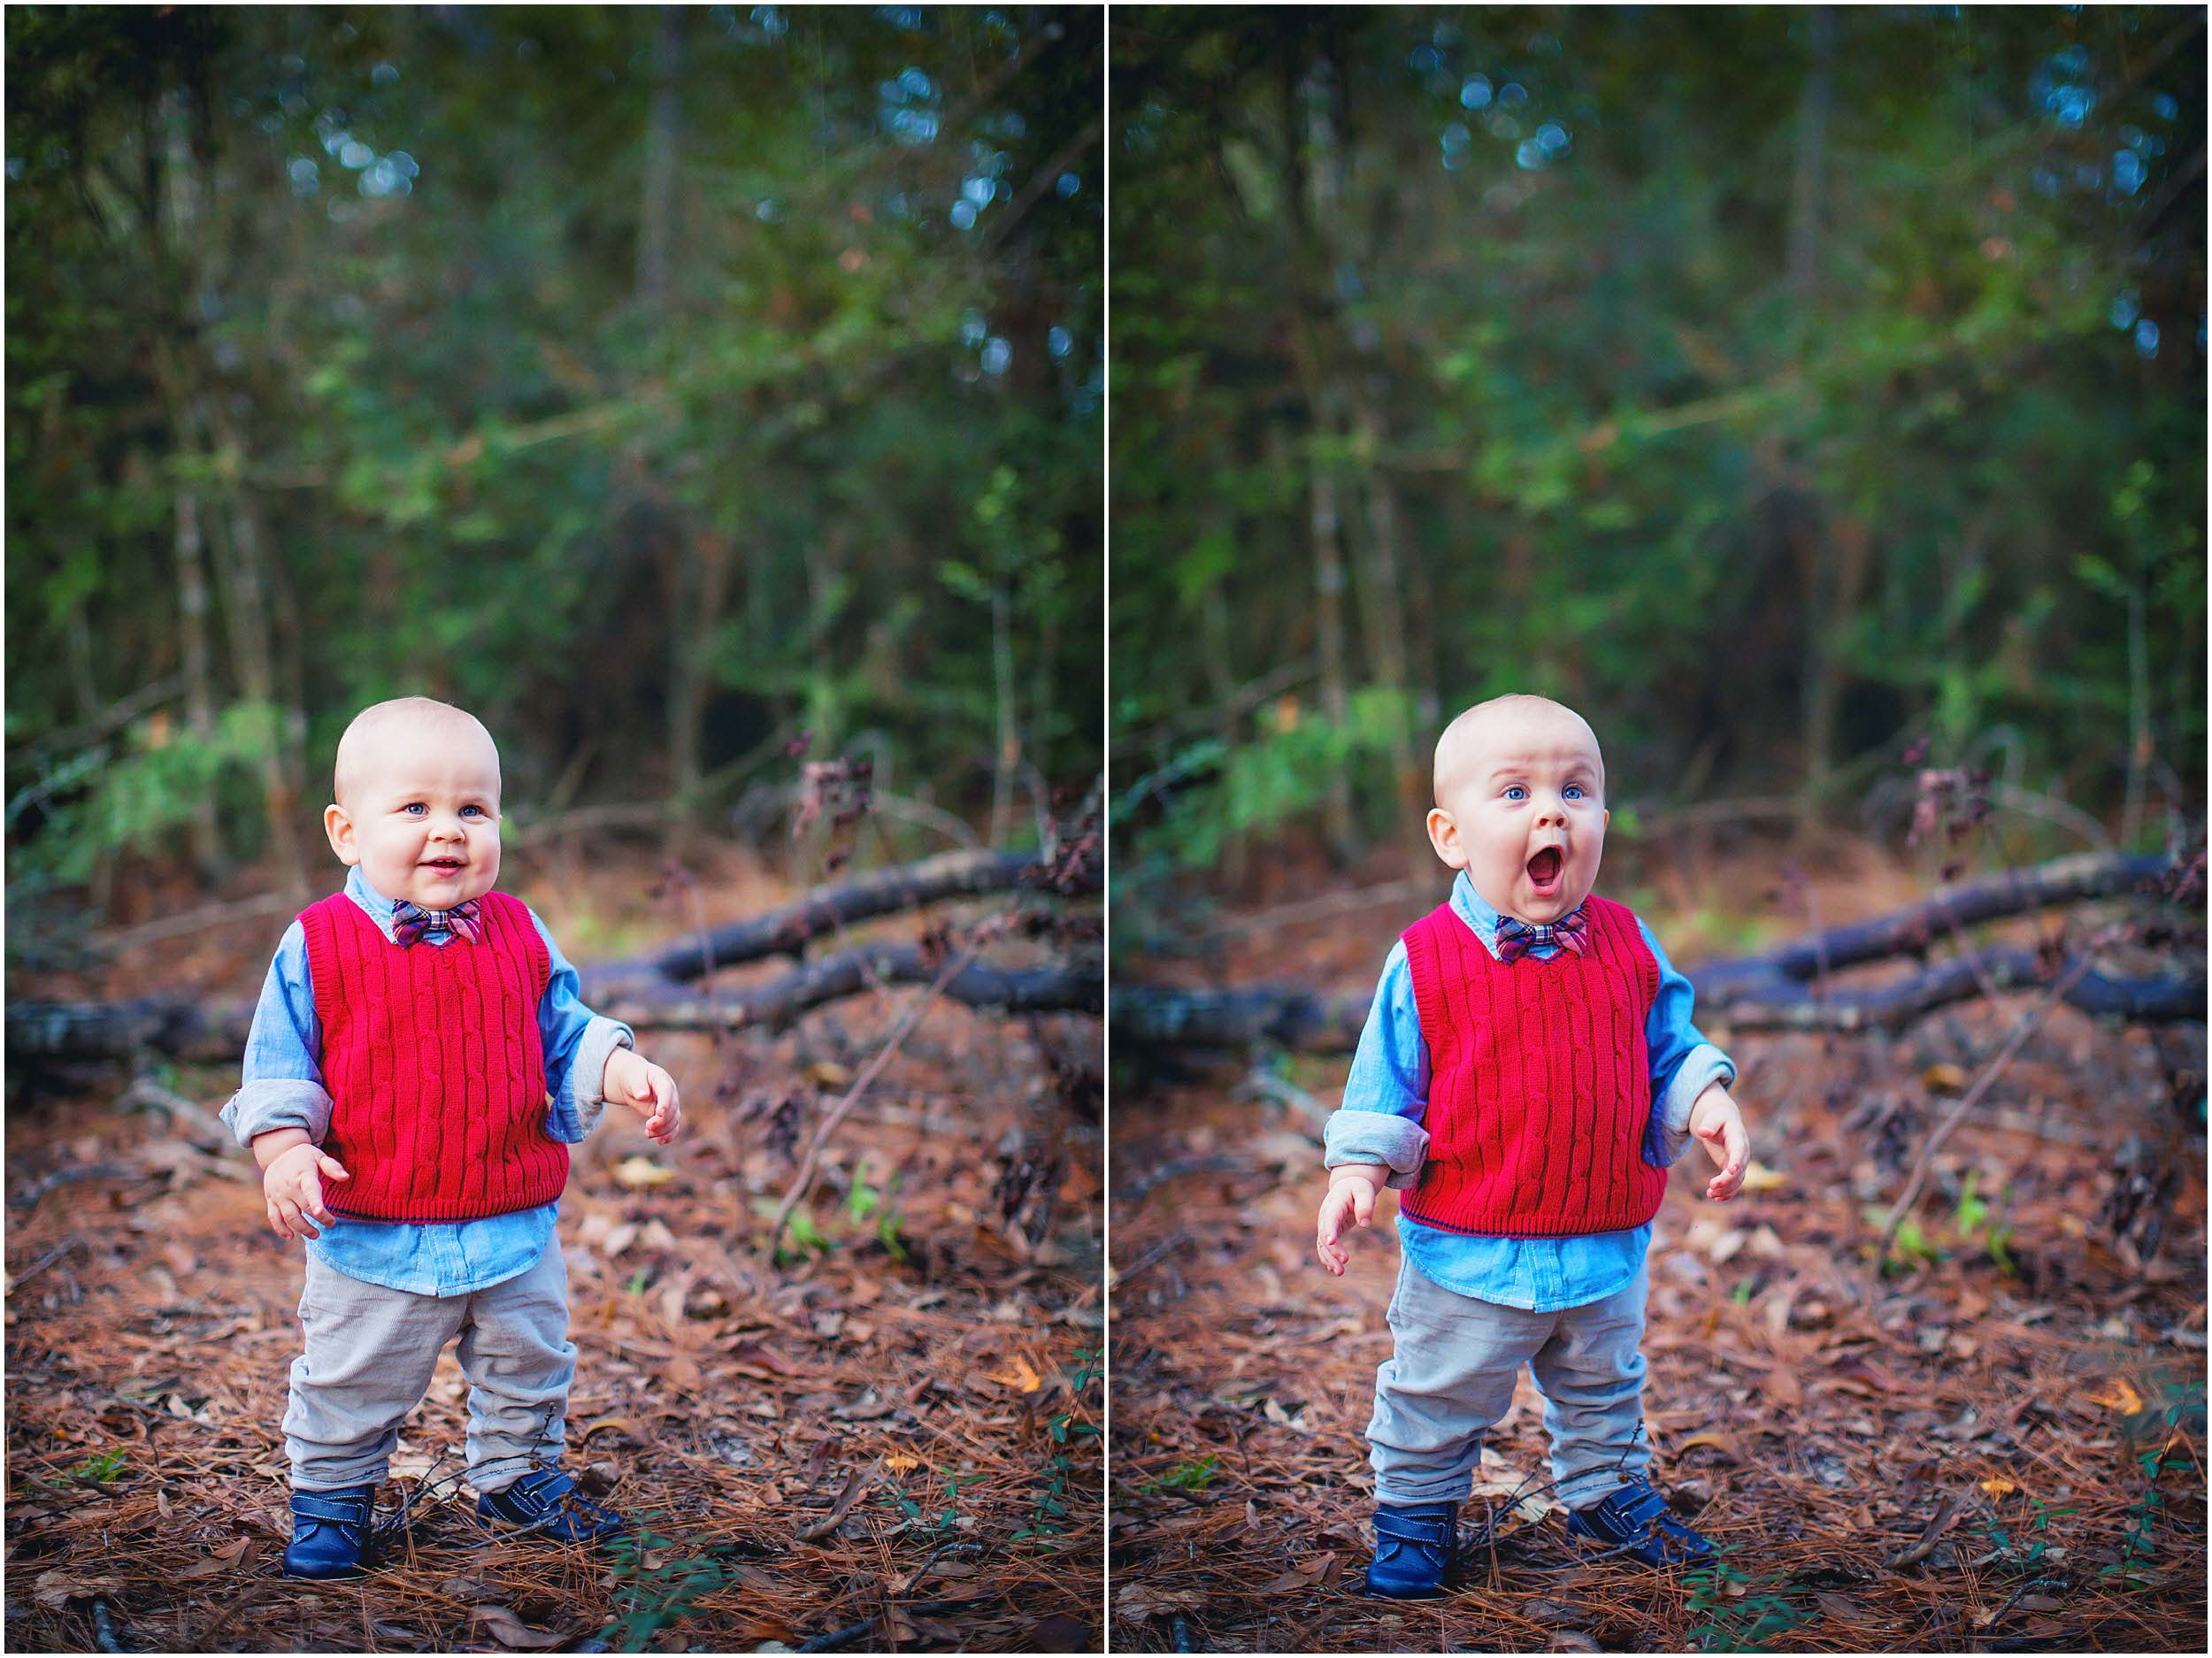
(410, 922)
(1517, 939)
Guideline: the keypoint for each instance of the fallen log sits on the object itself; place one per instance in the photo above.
(787, 931)
(215, 1033)
(1783, 988)
(980, 985)
(648, 991)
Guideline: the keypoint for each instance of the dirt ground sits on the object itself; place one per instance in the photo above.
(888, 1442)
(1998, 1447)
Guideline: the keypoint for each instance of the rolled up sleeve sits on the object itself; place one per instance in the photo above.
(1387, 1092)
(282, 1084)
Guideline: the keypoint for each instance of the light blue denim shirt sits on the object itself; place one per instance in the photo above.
(283, 1088)
(1387, 1093)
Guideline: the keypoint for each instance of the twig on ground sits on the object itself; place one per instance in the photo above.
(66, 1246)
(856, 1486)
(804, 1181)
(1966, 1101)
(1946, 1512)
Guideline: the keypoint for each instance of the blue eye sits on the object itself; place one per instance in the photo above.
(1573, 791)
(1514, 791)
(415, 809)
(465, 810)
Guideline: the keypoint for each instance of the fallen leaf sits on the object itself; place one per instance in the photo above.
(510, 1630)
(1759, 1177)
(57, 1588)
(220, 1561)
(640, 1173)
(1021, 1376)
(1720, 1442)
(1944, 1078)
(1782, 1388)
(2123, 1398)
(1138, 1603)
(856, 1482)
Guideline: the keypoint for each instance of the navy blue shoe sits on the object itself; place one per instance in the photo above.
(1414, 1545)
(547, 1502)
(1636, 1521)
(330, 1531)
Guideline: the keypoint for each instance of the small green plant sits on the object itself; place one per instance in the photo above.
(97, 1470)
(1972, 1216)
(888, 1233)
(864, 1200)
(654, 1586)
(1912, 1246)
(2139, 1542)
(1741, 1293)
(1741, 1622)
(639, 1279)
(2010, 1554)
(1067, 1432)
(806, 1234)
(1193, 1475)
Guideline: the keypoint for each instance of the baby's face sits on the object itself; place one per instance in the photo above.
(1521, 807)
(419, 812)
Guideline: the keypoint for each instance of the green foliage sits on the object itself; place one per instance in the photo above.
(1743, 1621)
(378, 317)
(657, 1583)
(1050, 1517)
(1193, 1476)
(1540, 365)
(102, 1467)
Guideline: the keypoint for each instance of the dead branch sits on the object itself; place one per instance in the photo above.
(787, 931)
(1966, 1101)
(979, 985)
(803, 1180)
(1766, 992)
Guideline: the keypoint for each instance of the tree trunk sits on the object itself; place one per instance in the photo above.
(1009, 755)
(658, 217)
(199, 697)
(243, 574)
(1310, 195)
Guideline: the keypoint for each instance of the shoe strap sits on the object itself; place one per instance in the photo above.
(349, 1509)
(1635, 1504)
(1434, 1530)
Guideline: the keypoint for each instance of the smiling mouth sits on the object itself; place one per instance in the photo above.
(1543, 869)
(443, 864)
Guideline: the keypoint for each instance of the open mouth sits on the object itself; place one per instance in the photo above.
(1544, 870)
(451, 865)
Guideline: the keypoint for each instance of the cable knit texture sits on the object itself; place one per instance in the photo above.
(435, 1067)
(1540, 1081)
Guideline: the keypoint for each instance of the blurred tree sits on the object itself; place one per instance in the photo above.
(635, 377)
(1775, 386)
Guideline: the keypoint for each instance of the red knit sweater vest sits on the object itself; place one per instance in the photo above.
(1539, 1083)
(434, 1066)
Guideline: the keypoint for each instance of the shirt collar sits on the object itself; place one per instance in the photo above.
(1472, 908)
(376, 903)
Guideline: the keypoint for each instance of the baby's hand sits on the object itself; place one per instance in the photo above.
(292, 1188)
(1350, 1202)
(1717, 1123)
(633, 1081)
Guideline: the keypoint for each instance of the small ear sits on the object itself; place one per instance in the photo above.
(1444, 836)
(339, 827)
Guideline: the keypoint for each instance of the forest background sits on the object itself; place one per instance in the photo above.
(662, 384)
(1788, 388)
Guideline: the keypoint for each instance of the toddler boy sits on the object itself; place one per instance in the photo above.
(419, 1065)
(1526, 1075)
